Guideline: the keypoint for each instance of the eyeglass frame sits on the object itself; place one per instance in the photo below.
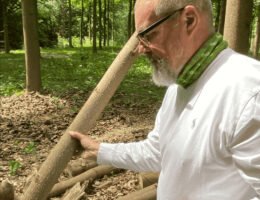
(142, 33)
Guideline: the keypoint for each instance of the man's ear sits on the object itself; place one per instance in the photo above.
(189, 21)
(191, 18)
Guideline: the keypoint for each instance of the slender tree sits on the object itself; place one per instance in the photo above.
(31, 44)
(82, 22)
(257, 34)
(94, 26)
(90, 21)
(100, 26)
(222, 16)
(133, 18)
(112, 23)
(6, 27)
(105, 23)
(70, 24)
(237, 24)
(108, 22)
(129, 28)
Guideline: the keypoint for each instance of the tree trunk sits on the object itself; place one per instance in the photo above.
(148, 193)
(237, 24)
(133, 18)
(100, 27)
(222, 16)
(6, 29)
(93, 174)
(84, 121)
(94, 26)
(108, 22)
(257, 34)
(82, 23)
(129, 28)
(112, 23)
(31, 44)
(90, 21)
(70, 25)
(105, 23)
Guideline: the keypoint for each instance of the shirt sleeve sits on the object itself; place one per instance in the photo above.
(136, 156)
(245, 146)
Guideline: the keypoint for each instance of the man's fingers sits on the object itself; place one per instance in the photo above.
(76, 135)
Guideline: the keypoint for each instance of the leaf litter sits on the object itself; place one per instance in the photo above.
(31, 124)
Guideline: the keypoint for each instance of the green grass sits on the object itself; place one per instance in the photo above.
(65, 70)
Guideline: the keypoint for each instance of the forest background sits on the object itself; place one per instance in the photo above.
(100, 25)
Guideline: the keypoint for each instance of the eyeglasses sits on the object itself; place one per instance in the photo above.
(142, 34)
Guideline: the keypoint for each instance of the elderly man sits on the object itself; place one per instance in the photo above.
(206, 138)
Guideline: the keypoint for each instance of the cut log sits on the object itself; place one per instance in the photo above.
(148, 193)
(78, 166)
(6, 191)
(147, 178)
(91, 174)
(62, 153)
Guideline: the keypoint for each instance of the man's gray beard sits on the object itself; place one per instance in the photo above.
(162, 73)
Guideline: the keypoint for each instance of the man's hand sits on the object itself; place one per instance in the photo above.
(91, 147)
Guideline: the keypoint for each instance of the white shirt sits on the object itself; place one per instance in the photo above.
(206, 139)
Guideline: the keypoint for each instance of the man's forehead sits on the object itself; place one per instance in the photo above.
(145, 7)
(145, 14)
(147, 2)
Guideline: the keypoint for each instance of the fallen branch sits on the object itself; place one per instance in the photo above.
(78, 166)
(148, 178)
(62, 153)
(148, 193)
(93, 173)
(76, 192)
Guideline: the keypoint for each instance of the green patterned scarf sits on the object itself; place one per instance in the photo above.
(201, 60)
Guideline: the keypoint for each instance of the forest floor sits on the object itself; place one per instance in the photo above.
(31, 124)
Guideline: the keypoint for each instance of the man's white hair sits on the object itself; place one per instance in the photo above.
(167, 6)
(164, 7)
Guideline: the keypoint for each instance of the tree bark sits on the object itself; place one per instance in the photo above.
(31, 43)
(237, 24)
(61, 154)
(94, 173)
(6, 191)
(148, 193)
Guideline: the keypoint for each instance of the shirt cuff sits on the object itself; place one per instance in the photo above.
(106, 153)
